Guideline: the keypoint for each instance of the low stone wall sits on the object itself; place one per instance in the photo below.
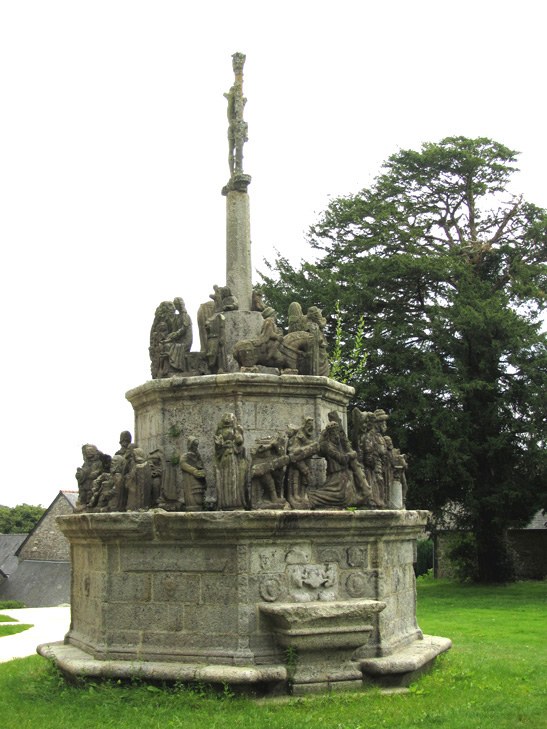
(528, 548)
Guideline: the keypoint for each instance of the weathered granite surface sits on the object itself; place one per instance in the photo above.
(239, 588)
(264, 405)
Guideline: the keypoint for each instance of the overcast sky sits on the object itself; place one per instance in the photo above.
(113, 153)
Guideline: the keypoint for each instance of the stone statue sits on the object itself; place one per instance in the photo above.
(301, 449)
(109, 488)
(266, 349)
(303, 351)
(338, 492)
(362, 487)
(395, 475)
(164, 489)
(346, 484)
(257, 303)
(138, 482)
(268, 463)
(205, 312)
(230, 465)
(216, 357)
(95, 463)
(297, 320)
(193, 477)
(318, 361)
(170, 339)
(237, 128)
(384, 465)
(125, 443)
(117, 496)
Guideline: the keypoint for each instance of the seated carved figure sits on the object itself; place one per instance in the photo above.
(170, 339)
(94, 465)
(346, 484)
(338, 492)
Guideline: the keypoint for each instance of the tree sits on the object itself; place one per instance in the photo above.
(447, 267)
(19, 519)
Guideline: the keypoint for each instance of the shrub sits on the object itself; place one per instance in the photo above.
(424, 557)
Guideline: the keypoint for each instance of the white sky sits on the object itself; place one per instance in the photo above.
(113, 152)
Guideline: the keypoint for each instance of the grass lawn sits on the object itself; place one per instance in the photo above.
(12, 629)
(495, 677)
(7, 619)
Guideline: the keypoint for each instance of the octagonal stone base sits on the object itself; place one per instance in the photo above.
(268, 598)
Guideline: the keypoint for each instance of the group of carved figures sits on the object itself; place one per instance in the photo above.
(303, 350)
(284, 471)
(131, 480)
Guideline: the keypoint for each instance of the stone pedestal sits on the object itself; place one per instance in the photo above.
(267, 598)
(168, 411)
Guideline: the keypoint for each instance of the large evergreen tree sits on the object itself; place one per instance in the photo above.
(448, 269)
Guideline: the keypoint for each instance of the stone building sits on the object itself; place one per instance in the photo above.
(528, 547)
(41, 575)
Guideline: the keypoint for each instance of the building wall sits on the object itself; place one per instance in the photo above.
(528, 546)
(47, 543)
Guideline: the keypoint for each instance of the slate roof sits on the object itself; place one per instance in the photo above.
(9, 544)
(38, 584)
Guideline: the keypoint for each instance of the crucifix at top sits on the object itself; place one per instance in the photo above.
(237, 129)
(238, 227)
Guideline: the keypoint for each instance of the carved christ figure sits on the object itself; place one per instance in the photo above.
(237, 128)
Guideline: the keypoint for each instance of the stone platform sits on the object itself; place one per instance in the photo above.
(270, 599)
(168, 411)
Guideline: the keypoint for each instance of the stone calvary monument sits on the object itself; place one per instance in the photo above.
(242, 538)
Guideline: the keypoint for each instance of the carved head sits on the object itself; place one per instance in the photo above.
(179, 305)
(192, 444)
(139, 455)
(125, 438)
(316, 316)
(238, 60)
(380, 420)
(307, 426)
(117, 464)
(90, 452)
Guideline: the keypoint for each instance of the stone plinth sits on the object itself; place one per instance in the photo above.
(168, 411)
(180, 595)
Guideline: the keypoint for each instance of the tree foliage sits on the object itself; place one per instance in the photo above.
(19, 519)
(447, 269)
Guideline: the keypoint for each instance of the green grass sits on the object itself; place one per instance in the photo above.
(12, 629)
(495, 677)
(7, 619)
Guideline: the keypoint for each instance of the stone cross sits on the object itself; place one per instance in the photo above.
(238, 228)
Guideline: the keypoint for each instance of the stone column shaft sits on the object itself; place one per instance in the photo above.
(238, 248)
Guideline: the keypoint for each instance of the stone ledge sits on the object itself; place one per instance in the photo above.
(397, 670)
(250, 383)
(72, 660)
(403, 667)
(233, 526)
